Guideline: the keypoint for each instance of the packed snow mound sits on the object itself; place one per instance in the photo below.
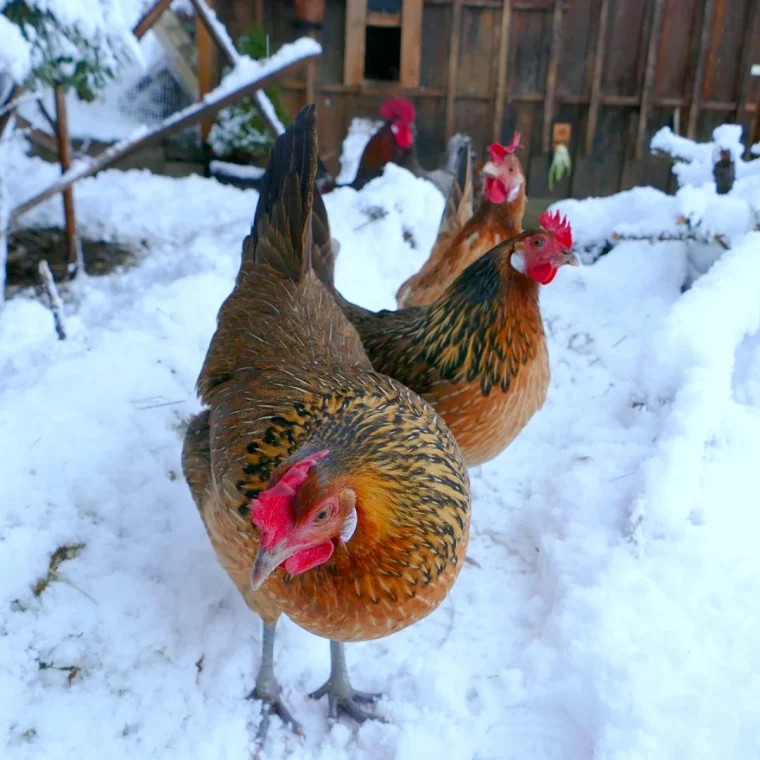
(359, 133)
(610, 616)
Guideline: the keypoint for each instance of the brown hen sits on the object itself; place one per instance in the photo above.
(478, 354)
(465, 236)
(329, 492)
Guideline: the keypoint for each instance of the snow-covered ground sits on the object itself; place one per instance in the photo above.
(614, 612)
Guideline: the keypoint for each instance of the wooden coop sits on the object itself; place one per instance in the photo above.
(600, 75)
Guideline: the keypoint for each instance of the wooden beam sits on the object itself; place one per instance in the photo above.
(517, 5)
(187, 117)
(149, 18)
(501, 72)
(64, 157)
(716, 26)
(411, 43)
(596, 81)
(220, 38)
(699, 73)
(744, 81)
(378, 18)
(451, 82)
(205, 50)
(551, 75)
(649, 72)
(355, 41)
(432, 93)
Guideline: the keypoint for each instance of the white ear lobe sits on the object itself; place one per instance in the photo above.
(349, 526)
(335, 246)
(513, 193)
(517, 262)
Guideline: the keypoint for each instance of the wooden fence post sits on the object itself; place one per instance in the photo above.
(501, 73)
(451, 84)
(75, 260)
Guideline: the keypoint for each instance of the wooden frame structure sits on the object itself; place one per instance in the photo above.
(209, 106)
(614, 71)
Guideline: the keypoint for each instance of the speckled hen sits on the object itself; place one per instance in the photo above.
(330, 492)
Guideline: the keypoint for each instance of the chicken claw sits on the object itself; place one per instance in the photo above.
(341, 696)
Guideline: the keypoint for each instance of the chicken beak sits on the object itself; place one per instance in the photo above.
(266, 562)
(571, 259)
(490, 170)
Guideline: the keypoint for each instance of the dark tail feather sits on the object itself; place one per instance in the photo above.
(281, 232)
(323, 248)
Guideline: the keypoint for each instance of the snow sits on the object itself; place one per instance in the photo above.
(15, 54)
(642, 210)
(612, 613)
(236, 170)
(246, 68)
(359, 132)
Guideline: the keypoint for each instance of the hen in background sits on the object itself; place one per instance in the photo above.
(329, 492)
(465, 236)
(478, 354)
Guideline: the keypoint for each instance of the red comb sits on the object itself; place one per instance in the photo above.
(270, 511)
(500, 152)
(399, 109)
(559, 227)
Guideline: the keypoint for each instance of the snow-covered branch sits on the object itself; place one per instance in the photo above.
(239, 83)
(669, 237)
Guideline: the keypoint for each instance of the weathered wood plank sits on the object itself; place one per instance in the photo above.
(451, 84)
(743, 80)
(699, 72)
(501, 71)
(596, 82)
(411, 43)
(149, 18)
(551, 75)
(356, 40)
(649, 71)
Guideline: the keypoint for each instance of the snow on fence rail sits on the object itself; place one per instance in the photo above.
(247, 77)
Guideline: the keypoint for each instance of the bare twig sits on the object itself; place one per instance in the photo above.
(52, 123)
(55, 303)
(667, 237)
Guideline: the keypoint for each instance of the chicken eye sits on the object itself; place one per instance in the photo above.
(322, 515)
(538, 242)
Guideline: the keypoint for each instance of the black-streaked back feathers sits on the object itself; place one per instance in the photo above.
(281, 232)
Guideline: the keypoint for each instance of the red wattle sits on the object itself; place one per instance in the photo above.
(496, 190)
(306, 559)
(404, 136)
(543, 273)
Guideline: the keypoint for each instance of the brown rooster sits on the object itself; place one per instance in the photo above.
(392, 144)
(477, 354)
(329, 492)
(465, 236)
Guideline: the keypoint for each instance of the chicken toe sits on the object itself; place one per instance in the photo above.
(342, 698)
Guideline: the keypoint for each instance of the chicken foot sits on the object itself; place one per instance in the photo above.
(341, 696)
(268, 691)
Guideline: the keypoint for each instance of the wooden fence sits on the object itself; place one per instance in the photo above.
(613, 70)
